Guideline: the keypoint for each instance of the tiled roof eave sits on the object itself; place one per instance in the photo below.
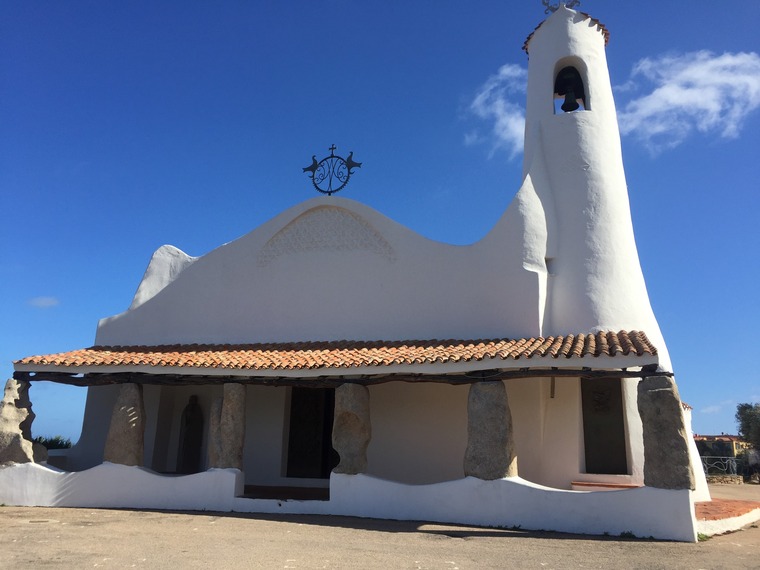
(601, 350)
(546, 363)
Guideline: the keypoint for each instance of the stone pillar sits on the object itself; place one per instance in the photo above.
(352, 429)
(16, 418)
(227, 429)
(126, 435)
(214, 445)
(666, 440)
(490, 450)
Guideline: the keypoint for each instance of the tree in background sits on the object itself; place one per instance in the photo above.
(748, 420)
(54, 442)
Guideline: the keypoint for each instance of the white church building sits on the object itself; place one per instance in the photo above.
(332, 361)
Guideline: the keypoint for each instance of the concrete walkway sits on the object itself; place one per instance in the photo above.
(732, 507)
(76, 538)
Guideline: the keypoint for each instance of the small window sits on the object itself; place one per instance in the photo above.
(569, 92)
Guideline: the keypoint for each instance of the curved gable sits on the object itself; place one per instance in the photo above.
(325, 228)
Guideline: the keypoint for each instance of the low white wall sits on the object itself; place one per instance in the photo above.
(644, 512)
(721, 526)
(117, 486)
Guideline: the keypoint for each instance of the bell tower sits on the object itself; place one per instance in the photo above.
(574, 161)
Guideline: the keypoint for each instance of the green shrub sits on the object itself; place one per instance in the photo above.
(55, 442)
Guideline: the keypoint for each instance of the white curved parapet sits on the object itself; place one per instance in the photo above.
(644, 512)
(110, 485)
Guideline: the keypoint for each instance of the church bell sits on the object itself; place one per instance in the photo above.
(570, 86)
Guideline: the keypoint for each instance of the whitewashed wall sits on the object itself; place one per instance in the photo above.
(330, 269)
(419, 432)
(574, 162)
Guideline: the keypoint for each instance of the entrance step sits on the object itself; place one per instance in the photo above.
(286, 493)
(600, 486)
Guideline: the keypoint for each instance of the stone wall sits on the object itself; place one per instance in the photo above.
(725, 479)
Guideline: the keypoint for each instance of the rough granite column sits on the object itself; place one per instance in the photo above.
(666, 441)
(232, 427)
(214, 445)
(126, 436)
(490, 450)
(352, 429)
(16, 418)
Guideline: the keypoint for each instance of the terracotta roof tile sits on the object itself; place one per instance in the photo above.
(349, 354)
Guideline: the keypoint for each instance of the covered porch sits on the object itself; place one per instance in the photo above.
(383, 429)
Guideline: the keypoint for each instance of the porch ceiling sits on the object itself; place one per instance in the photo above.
(333, 361)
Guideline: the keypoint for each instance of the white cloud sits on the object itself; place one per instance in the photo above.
(697, 91)
(492, 103)
(43, 302)
(665, 100)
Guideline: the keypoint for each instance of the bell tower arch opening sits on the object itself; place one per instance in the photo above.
(570, 88)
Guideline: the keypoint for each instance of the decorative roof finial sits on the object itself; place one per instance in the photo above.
(555, 7)
(332, 172)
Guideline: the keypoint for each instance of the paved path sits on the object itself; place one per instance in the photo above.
(79, 538)
(729, 501)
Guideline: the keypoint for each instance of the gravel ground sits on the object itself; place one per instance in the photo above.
(37, 537)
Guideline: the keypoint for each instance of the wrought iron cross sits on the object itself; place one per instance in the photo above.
(332, 172)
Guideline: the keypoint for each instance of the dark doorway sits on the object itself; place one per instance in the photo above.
(603, 426)
(190, 438)
(310, 452)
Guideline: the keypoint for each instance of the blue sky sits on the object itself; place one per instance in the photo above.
(129, 125)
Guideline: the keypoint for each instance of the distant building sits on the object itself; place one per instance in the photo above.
(304, 361)
(721, 445)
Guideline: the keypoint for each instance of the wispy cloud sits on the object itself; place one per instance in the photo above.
(665, 100)
(493, 103)
(698, 91)
(43, 302)
(717, 408)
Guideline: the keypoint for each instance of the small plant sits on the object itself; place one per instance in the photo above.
(702, 537)
(627, 534)
(55, 442)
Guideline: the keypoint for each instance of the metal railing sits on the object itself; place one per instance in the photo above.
(714, 465)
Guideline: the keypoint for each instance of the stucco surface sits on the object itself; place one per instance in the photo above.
(660, 513)
(300, 277)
